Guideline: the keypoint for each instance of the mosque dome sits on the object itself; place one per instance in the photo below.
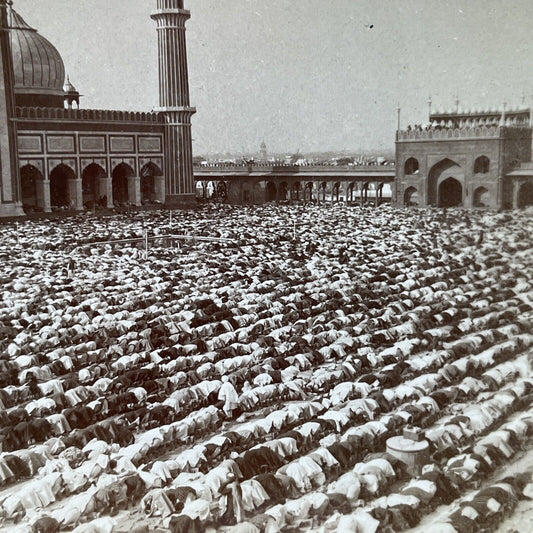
(38, 67)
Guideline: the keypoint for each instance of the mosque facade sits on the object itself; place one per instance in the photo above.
(466, 158)
(56, 155)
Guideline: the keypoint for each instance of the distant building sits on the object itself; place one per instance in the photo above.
(466, 158)
(55, 155)
(263, 154)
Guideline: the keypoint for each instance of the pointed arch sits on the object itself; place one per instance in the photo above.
(321, 191)
(481, 197)
(90, 183)
(525, 194)
(335, 192)
(29, 175)
(308, 192)
(350, 191)
(59, 189)
(270, 192)
(450, 193)
(482, 165)
(222, 191)
(411, 166)
(283, 192)
(295, 191)
(363, 195)
(120, 176)
(410, 197)
(441, 171)
(148, 173)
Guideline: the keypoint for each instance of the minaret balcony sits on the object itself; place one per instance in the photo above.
(161, 13)
(175, 109)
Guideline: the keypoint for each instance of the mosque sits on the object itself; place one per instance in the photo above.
(469, 158)
(55, 154)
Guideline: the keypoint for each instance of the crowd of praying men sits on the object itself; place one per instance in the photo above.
(249, 384)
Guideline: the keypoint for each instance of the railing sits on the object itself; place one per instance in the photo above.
(226, 167)
(448, 133)
(97, 115)
(165, 240)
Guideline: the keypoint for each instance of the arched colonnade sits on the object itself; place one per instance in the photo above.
(248, 192)
(63, 189)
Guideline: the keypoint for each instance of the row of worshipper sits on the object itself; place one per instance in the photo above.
(43, 371)
(372, 325)
(438, 484)
(40, 427)
(488, 507)
(86, 347)
(304, 507)
(262, 454)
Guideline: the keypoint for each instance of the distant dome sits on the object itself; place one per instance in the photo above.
(38, 67)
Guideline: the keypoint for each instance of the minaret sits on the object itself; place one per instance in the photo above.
(10, 193)
(174, 104)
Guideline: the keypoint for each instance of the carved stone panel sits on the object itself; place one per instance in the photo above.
(60, 144)
(92, 143)
(150, 144)
(30, 144)
(122, 144)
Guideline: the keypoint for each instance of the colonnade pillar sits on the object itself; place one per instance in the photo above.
(105, 188)
(43, 195)
(159, 189)
(134, 190)
(75, 194)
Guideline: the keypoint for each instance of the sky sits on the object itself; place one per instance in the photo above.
(308, 75)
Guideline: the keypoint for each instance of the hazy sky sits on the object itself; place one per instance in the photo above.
(300, 74)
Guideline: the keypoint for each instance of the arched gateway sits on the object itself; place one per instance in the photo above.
(450, 193)
(445, 184)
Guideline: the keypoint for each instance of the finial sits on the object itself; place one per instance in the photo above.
(457, 103)
(503, 114)
(429, 104)
(398, 110)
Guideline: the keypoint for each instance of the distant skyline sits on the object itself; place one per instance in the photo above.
(312, 75)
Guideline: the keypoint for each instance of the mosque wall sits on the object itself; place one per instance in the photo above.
(81, 148)
(91, 162)
(94, 139)
(10, 204)
(449, 158)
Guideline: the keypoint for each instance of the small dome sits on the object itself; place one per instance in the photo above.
(38, 66)
(69, 88)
